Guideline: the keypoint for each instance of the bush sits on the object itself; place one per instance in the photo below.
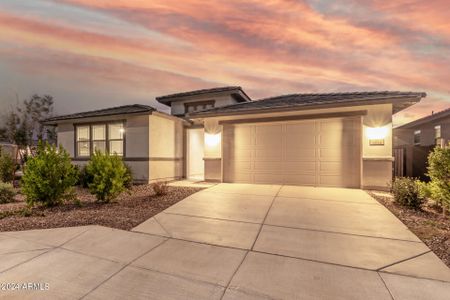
(7, 167)
(49, 176)
(160, 188)
(128, 177)
(439, 173)
(7, 192)
(84, 178)
(408, 192)
(109, 176)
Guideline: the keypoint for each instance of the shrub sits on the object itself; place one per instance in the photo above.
(439, 173)
(128, 177)
(84, 178)
(408, 192)
(160, 188)
(49, 176)
(109, 176)
(7, 167)
(7, 192)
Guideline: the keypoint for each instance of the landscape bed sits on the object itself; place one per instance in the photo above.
(428, 224)
(129, 210)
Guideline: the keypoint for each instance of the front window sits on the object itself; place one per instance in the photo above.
(99, 138)
(115, 138)
(108, 137)
(83, 140)
(417, 137)
(437, 132)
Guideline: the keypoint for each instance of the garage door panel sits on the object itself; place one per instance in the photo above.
(294, 179)
(269, 154)
(268, 178)
(293, 155)
(300, 128)
(307, 140)
(300, 168)
(268, 167)
(313, 152)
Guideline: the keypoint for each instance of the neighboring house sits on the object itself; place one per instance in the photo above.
(413, 141)
(220, 134)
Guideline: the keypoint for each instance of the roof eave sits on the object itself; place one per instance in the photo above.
(167, 100)
(51, 122)
(410, 101)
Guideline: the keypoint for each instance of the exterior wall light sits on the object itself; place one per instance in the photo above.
(212, 139)
(376, 135)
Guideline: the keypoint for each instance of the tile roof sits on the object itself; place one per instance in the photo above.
(169, 98)
(401, 100)
(441, 114)
(118, 110)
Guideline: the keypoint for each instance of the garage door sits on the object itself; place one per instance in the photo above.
(325, 152)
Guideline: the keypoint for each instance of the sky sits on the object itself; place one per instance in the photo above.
(92, 54)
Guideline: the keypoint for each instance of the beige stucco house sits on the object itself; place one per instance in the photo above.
(220, 134)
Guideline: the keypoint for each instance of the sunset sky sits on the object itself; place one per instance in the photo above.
(93, 54)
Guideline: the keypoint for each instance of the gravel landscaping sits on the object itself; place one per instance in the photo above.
(428, 224)
(129, 210)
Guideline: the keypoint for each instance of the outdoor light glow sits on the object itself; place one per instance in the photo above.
(374, 133)
(121, 130)
(212, 139)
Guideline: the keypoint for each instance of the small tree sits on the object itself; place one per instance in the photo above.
(109, 175)
(49, 176)
(7, 193)
(439, 173)
(7, 166)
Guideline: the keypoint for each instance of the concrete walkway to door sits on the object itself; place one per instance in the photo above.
(233, 241)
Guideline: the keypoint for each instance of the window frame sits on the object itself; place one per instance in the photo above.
(91, 141)
(436, 129)
(417, 133)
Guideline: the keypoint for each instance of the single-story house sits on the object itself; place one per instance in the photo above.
(221, 134)
(413, 141)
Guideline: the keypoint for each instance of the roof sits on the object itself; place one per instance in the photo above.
(170, 98)
(401, 100)
(435, 116)
(118, 110)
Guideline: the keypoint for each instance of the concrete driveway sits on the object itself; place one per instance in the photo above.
(234, 241)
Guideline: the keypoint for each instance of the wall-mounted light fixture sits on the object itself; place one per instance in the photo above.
(212, 139)
(376, 135)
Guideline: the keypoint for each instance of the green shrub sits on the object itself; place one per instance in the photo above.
(408, 192)
(7, 167)
(7, 192)
(109, 176)
(160, 188)
(49, 176)
(128, 177)
(439, 173)
(84, 178)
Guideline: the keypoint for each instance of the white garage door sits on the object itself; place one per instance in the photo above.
(324, 152)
